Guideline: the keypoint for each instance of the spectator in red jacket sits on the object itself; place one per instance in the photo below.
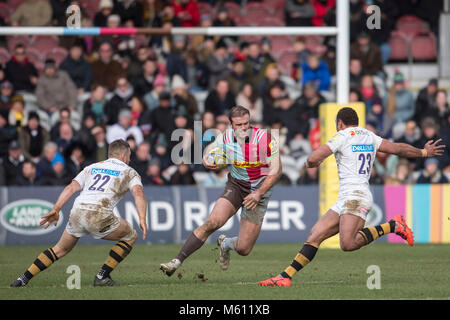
(187, 11)
(321, 7)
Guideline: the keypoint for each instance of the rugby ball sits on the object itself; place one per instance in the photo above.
(218, 157)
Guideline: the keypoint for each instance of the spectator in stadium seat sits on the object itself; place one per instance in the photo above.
(400, 102)
(271, 76)
(175, 59)
(64, 117)
(96, 103)
(161, 152)
(79, 70)
(289, 115)
(187, 11)
(430, 131)
(223, 19)
(106, 70)
(298, 13)
(84, 135)
(431, 174)
(76, 159)
(369, 92)
(249, 98)
(59, 8)
(220, 100)
(162, 118)
(105, 8)
(66, 137)
(237, 76)
(301, 51)
(271, 102)
(309, 102)
(151, 9)
(129, 10)
(17, 115)
(402, 174)
(218, 64)
(135, 65)
(6, 93)
(123, 129)
(121, 100)
(28, 176)
(32, 13)
(8, 133)
(58, 175)
(426, 98)
(316, 70)
(183, 175)
(411, 135)
(196, 73)
(45, 164)
(381, 119)
(101, 150)
(143, 83)
(20, 71)
(55, 89)
(439, 110)
(321, 8)
(355, 95)
(215, 179)
(33, 137)
(152, 98)
(12, 163)
(154, 173)
(356, 73)
(182, 98)
(255, 64)
(369, 53)
(141, 162)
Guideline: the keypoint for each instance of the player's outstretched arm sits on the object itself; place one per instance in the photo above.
(141, 206)
(66, 194)
(431, 149)
(318, 155)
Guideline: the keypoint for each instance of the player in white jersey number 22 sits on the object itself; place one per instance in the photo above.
(355, 149)
(102, 186)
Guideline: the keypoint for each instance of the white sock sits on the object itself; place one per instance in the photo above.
(177, 262)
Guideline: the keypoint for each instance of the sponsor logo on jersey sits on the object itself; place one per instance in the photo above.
(23, 216)
(110, 172)
(362, 147)
(352, 133)
(247, 164)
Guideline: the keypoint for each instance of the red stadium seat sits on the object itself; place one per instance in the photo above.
(12, 41)
(399, 46)
(423, 46)
(408, 18)
(34, 55)
(44, 42)
(257, 9)
(286, 61)
(14, 4)
(58, 54)
(274, 5)
(5, 11)
(233, 8)
(280, 45)
(4, 56)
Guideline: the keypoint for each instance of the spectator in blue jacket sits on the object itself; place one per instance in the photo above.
(400, 101)
(316, 70)
(79, 70)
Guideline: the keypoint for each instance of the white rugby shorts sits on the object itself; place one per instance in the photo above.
(357, 202)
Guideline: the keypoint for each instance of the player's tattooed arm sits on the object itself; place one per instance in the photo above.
(318, 155)
(66, 194)
(141, 206)
(403, 150)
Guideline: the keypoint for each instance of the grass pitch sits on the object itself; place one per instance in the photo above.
(420, 272)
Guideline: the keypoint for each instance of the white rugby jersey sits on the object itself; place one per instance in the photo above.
(355, 149)
(104, 184)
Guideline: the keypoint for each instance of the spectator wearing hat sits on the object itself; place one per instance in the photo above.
(182, 97)
(309, 102)
(101, 147)
(218, 64)
(425, 98)
(12, 163)
(220, 100)
(183, 175)
(400, 101)
(32, 13)
(58, 175)
(298, 13)
(162, 119)
(152, 98)
(123, 129)
(154, 175)
(33, 137)
(368, 53)
(8, 133)
(381, 120)
(106, 70)
(76, 158)
(17, 116)
(316, 70)
(175, 58)
(431, 173)
(55, 89)
(28, 176)
(79, 70)
(105, 9)
(187, 11)
(119, 101)
(161, 152)
(130, 10)
(20, 71)
(96, 103)
(271, 76)
(6, 93)
(143, 83)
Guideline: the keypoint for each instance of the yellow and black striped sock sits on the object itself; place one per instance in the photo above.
(42, 262)
(119, 252)
(301, 260)
(372, 233)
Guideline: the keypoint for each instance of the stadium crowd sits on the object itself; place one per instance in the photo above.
(58, 115)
